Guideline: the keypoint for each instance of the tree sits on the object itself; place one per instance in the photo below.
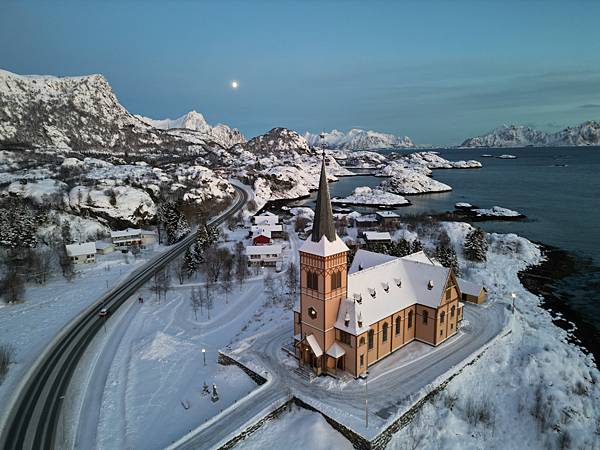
(209, 287)
(241, 263)
(12, 287)
(269, 286)
(195, 302)
(65, 233)
(66, 264)
(135, 250)
(227, 277)
(446, 256)
(291, 281)
(301, 223)
(416, 246)
(215, 261)
(179, 269)
(175, 224)
(42, 265)
(476, 246)
(190, 264)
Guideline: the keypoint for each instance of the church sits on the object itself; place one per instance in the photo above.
(349, 318)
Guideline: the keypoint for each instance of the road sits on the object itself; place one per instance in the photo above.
(34, 411)
(391, 382)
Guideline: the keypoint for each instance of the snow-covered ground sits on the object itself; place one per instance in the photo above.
(31, 325)
(496, 211)
(297, 428)
(364, 195)
(412, 182)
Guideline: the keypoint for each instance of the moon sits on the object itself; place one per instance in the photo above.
(234, 84)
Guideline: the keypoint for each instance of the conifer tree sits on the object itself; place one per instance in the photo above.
(476, 246)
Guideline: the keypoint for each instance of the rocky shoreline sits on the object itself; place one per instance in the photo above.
(545, 279)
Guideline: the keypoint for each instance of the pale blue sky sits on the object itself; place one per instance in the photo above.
(437, 71)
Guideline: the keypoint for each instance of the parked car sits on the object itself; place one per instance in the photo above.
(103, 312)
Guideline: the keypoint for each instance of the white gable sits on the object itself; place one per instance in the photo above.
(324, 247)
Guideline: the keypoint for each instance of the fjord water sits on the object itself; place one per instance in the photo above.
(558, 189)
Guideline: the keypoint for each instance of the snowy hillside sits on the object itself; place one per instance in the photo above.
(357, 139)
(220, 133)
(587, 133)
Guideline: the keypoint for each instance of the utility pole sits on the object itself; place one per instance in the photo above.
(366, 377)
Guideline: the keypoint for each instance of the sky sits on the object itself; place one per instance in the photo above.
(437, 71)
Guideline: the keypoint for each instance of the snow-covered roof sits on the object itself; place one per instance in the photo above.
(387, 214)
(366, 218)
(314, 345)
(125, 233)
(88, 248)
(469, 288)
(263, 249)
(266, 226)
(102, 245)
(148, 233)
(324, 247)
(422, 258)
(363, 259)
(262, 232)
(386, 288)
(336, 350)
(377, 236)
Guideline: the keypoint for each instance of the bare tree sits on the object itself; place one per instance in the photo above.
(241, 263)
(66, 264)
(42, 265)
(209, 288)
(195, 302)
(269, 285)
(7, 353)
(291, 281)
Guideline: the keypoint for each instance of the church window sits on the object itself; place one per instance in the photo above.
(362, 341)
(425, 317)
(385, 332)
(362, 360)
(442, 316)
(336, 280)
(398, 325)
(345, 338)
(371, 339)
(312, 280)
(410, 315)
(452, 311)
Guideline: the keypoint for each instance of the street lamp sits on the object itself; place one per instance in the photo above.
(204, 355)
(513, 296)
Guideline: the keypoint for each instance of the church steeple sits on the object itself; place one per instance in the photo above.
(323, 221)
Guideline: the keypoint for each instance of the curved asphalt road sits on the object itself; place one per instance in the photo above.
(390, 383)
(34, 411)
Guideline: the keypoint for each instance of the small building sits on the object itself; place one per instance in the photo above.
(264, 255)
(82, 253)
(149, 238)
(262, 238)
(365, 221)
(123, 239)
(377, 237)
(266, 218)
(387, 218)
(472, 292)
(276, 230)
(103, 248)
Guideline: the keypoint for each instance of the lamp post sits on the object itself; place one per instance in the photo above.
(204, 355)
(513, 296)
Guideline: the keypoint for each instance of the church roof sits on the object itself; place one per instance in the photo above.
(324, 247)
(323, 221)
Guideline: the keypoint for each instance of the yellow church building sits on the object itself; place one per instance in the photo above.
(349, 318)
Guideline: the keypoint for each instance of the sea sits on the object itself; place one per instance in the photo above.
(558, 189)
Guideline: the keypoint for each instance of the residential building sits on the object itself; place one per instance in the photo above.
(103, 248)
(365, 221)
(124, 239)
(472, 292)
(276, 230)
(266, 218)
(387, 218)
(377, 237)
(82, 253)
(262, 238)
(264, 255)
(349, 318)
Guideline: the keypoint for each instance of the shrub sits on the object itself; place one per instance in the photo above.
(7, 353)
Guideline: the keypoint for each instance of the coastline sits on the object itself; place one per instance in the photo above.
(544, 279)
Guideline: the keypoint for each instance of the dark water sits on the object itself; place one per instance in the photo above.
(558, 189)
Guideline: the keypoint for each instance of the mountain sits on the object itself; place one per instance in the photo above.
(220, 133)
(68, 112)
(357, 139)
(587, 133)
(277, 141)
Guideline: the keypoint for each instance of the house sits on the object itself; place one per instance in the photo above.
(264, 255)
(276, 230)
(266, 218)
(472, 292)
(377, 237)
(387, 218)
(102, 248)
(349, 318)
(365, 221)
(123, 239)
(262, 238)
(82, 253)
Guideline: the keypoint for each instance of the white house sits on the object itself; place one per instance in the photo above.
(377, 237)
(264, 255)
(82, 253)
(123, 239)
(102, 247)
(266, 218)
(275, 230)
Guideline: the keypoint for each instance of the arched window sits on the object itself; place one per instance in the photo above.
(385, 331)
(410, 314)
(312, 280)
(361, 341)
(425, 316)
(442, 316)
(452, 311)
(336, 280)
(397, 325)
(371, 338)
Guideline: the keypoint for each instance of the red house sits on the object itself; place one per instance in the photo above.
(261, 239)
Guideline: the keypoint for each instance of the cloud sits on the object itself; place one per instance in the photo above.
(590, 106)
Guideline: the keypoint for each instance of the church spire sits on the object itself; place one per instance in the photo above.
(323, 221)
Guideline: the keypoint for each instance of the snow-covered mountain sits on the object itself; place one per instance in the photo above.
(587, 133)
(277, 141)
(220, 133)
(357, 139)
(68, 112)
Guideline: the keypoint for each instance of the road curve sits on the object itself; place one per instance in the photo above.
(32, 419)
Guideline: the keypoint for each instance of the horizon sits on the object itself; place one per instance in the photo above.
(446, 73)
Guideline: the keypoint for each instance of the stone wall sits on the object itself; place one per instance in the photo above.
(225, 360)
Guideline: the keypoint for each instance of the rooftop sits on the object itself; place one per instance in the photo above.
(263, 249)
(88, 248)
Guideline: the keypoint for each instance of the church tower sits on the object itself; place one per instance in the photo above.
(323, 284)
